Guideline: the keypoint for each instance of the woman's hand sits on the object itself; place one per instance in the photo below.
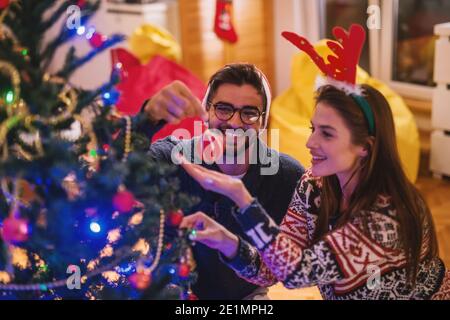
(230, 187)
(212, 234)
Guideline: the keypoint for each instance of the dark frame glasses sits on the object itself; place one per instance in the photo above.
(249, 115)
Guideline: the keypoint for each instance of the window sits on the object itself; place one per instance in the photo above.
(344, 13)
(413, 51)
(401, 53)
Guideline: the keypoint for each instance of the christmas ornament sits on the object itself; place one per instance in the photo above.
(175, 218)
(97, 40)
(223, 22)
(106, 147)
(140, 280)
(81, 3)
(15, 230)
(124, 201)
(190, 296)
(184, 270)
(4, 4)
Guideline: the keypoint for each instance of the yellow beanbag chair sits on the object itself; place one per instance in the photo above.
(292, 111)
(149, 40)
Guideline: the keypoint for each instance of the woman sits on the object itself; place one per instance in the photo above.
(356, 227)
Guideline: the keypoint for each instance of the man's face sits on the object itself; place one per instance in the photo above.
(238, 97)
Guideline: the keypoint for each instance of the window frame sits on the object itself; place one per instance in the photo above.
(310, 23)
(389, 11)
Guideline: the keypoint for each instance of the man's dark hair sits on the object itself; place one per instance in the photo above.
(237, 74)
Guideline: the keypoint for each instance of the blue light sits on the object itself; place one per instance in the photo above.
(90, 33)
(95, 227)
(111, 97)
(81, 30)
(126, 268)
(172, 270)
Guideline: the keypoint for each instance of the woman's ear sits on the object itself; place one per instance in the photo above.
(369, 145)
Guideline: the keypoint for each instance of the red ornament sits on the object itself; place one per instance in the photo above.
(97, 40)
(191, 296)
(106, 147)
(184, 270)
(81, 3)
(4, 4)
(15, 230)
(140, 280)
(175, 218)
(124, 201)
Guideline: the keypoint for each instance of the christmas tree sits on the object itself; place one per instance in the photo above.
(85, 213)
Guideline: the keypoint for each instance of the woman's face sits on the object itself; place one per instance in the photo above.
(331, 145)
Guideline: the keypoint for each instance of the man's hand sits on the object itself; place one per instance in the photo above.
(173, 103)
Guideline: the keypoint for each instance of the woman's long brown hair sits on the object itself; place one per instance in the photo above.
(380, 173)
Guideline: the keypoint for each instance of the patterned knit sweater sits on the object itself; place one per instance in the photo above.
(345, 264)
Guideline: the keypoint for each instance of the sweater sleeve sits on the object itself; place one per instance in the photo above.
(284, 253)
(344, 257)
(277, 256)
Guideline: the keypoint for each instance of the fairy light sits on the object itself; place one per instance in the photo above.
(9, 97)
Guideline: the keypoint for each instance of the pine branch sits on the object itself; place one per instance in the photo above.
(73, 64)
(66, 34)
(56, 15)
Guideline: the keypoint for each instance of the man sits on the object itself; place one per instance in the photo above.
(236, 107)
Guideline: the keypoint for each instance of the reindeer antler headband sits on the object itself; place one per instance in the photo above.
(341, 68)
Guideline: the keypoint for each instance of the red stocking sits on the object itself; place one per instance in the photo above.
(223, 24)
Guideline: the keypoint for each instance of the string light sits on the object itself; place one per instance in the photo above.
(81, 30)
(9, 97)
(111, 97)
(90, 33)
(95, 227)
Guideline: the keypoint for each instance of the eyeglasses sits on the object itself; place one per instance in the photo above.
(249, 115)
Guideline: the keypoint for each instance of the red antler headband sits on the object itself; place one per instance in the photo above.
(341, 67)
